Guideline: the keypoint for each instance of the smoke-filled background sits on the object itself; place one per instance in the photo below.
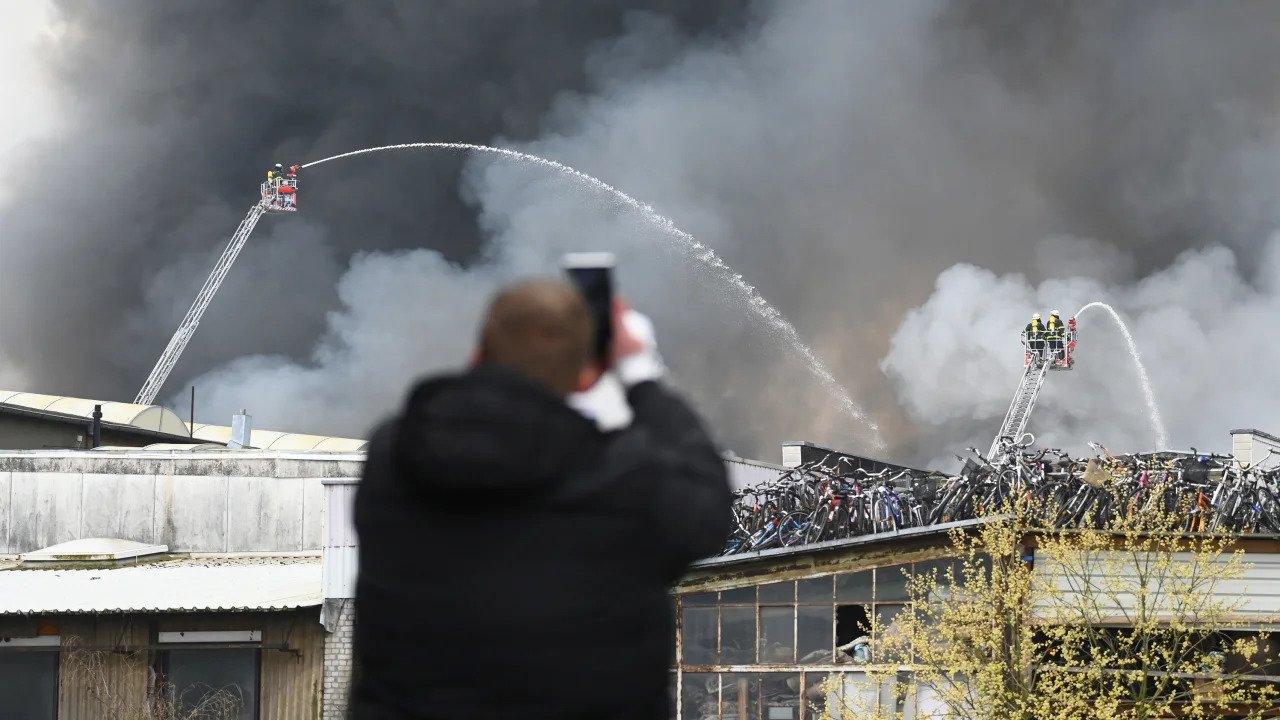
(906, 181)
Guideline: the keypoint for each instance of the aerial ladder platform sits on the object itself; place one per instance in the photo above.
(278, 195)
(1040, 356)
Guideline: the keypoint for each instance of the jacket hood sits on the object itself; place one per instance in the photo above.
(489, 429)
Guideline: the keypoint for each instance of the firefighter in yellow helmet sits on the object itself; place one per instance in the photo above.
(1035, 335)
(1055, 332)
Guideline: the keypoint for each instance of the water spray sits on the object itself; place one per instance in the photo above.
(777, 325)
(1157, 423)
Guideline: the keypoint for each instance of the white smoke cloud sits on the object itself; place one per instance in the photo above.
(1205, 332)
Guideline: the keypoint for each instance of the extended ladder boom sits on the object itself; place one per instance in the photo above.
(1015, 420)
(187, 327)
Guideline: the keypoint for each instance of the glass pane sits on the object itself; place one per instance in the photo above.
(737, 635)
(29, 684)
(891, 583)
(814, 590)
(780, 696)
(813, 633)
(854, 587)
(217, 683)
(740, 696)
(885, 616)
(856, 696)
(777, 593)
(698, 599)
(699, 641)
(738, 596)
(700, 696)
(936, 568)
(776, 642)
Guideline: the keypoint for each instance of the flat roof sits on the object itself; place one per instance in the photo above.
(187, 584)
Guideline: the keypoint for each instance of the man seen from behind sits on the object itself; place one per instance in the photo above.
(515, 560)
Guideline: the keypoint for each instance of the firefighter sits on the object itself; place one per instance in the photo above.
(275, 173)
(1035, 335)
(1055, 332)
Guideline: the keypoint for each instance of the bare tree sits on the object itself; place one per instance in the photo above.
(95, 670)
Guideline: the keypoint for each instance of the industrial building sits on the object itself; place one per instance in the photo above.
(192, 574)
(188, 572)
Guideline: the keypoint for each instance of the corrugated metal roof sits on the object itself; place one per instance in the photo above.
(177, 585)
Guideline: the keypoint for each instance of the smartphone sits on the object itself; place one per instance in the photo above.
(593, 274)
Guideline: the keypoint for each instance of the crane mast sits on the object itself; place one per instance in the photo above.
(279, 194)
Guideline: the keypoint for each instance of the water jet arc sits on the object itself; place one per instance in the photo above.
(1157, 423)
(777, 325)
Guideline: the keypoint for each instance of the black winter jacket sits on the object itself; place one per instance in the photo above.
(515, 561)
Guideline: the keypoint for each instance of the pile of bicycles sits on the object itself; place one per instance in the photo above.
(822, 501)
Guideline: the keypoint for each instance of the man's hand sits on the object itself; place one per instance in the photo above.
(634, 355)
(626, 341)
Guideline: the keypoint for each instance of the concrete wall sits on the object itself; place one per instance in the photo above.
(223, 501)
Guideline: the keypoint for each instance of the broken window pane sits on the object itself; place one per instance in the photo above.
(737, 635)
(813, 633)
(778, 593)
(698, 624)
(777, 645)
(854, 587)
(852, 622)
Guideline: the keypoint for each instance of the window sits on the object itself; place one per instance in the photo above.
(208, 680)
(29, 682)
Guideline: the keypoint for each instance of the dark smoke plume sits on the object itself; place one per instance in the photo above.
(842, 156)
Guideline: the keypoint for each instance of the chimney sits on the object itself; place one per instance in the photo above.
(95, 428)
(241, 430)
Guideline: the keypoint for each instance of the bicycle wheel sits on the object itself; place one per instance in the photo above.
(1269, 509)
(817, 525)
(792, 530)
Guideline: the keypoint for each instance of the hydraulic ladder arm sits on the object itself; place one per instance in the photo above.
(1015, 420)
(187, 328)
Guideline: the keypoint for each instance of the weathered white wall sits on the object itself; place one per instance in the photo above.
(221, 501)
(1253, 595)
(745, 473)
(340, 551)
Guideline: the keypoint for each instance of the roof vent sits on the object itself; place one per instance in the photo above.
(90, 549)
(241, 430)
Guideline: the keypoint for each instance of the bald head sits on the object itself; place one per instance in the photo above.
(542, 330)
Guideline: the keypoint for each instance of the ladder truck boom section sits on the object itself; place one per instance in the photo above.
(1039, 357)
(279, 194)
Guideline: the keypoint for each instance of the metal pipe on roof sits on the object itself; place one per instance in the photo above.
(95, 428)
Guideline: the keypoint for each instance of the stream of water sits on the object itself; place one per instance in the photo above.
(1157, 423)
(773, 320)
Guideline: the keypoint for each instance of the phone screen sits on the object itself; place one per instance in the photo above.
(596, 285)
